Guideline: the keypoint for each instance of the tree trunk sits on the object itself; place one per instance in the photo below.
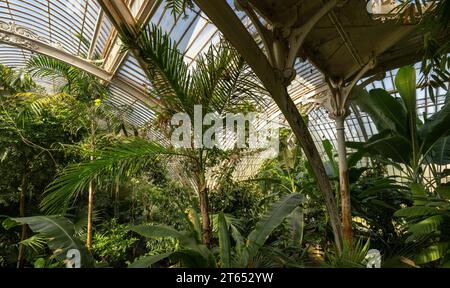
(91, 192)
(300, 129)
(23, 235)
(90, 209)
(346, 209)
(222, 15)
(204, 210)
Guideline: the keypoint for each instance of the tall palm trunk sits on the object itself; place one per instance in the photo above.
(23, 235)
(90, 194)
(204, 209)
(90, 209)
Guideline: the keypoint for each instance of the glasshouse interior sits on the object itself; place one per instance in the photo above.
(224, 133)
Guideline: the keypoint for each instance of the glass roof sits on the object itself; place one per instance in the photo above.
(80, 28)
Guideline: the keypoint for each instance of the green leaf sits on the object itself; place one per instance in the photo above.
(37, 243)
(60, 234)
(444, 192)
(278, 212)
(354, 158)
(390, 145)
(328, 147)
(433, 253)
(194, 259)
(124, 159)
(419, 194)
(431, 93)
(195, 224)
(386, 112)
(159, 231)
(9, 223)
(405, 82)
(440, 153)
(39, 263)
(148, 261)
(416, 211)
(297, 224)
(224, 242)
(427, 226)
(434, 130)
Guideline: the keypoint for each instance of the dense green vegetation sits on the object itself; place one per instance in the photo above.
(77, 175)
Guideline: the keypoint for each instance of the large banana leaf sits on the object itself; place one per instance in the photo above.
(279, 211)
(193, 255)
(402, 137)
(433, 253)
(297, 224)
(435, 135)
(428, 225)
(405, 81)
(148, 261)
(388, 145)
(161, 231)
(386, 112)
(437, 125)
(440, 153)
(224, 242)
(60, 233)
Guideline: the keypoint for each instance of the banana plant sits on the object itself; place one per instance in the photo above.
(427, 222)
(245, 253)
(60, 234)
(403, 138)
(194, 254)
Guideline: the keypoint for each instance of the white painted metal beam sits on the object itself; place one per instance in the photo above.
(25, 38)
(16, 35)
(122, 18)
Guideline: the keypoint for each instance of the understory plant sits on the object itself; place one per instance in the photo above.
(193, 254)
(404, 140)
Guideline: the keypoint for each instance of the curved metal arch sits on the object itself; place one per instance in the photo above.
(25, 38)
(16, 35)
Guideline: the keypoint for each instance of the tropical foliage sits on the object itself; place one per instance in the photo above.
(76, 176)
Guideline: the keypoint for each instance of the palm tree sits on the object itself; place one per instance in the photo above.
(220, 82)
(89, 92)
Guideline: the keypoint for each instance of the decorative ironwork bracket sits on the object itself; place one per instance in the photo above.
(24, 37)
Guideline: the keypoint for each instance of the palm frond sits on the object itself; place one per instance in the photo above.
(70, 79)
(223, 81)
(36, 242)
(46, 67)
(178, 7)
(166, 70)
(38, 104)
(124, 160)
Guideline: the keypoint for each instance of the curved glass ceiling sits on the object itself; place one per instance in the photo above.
(82, 30)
